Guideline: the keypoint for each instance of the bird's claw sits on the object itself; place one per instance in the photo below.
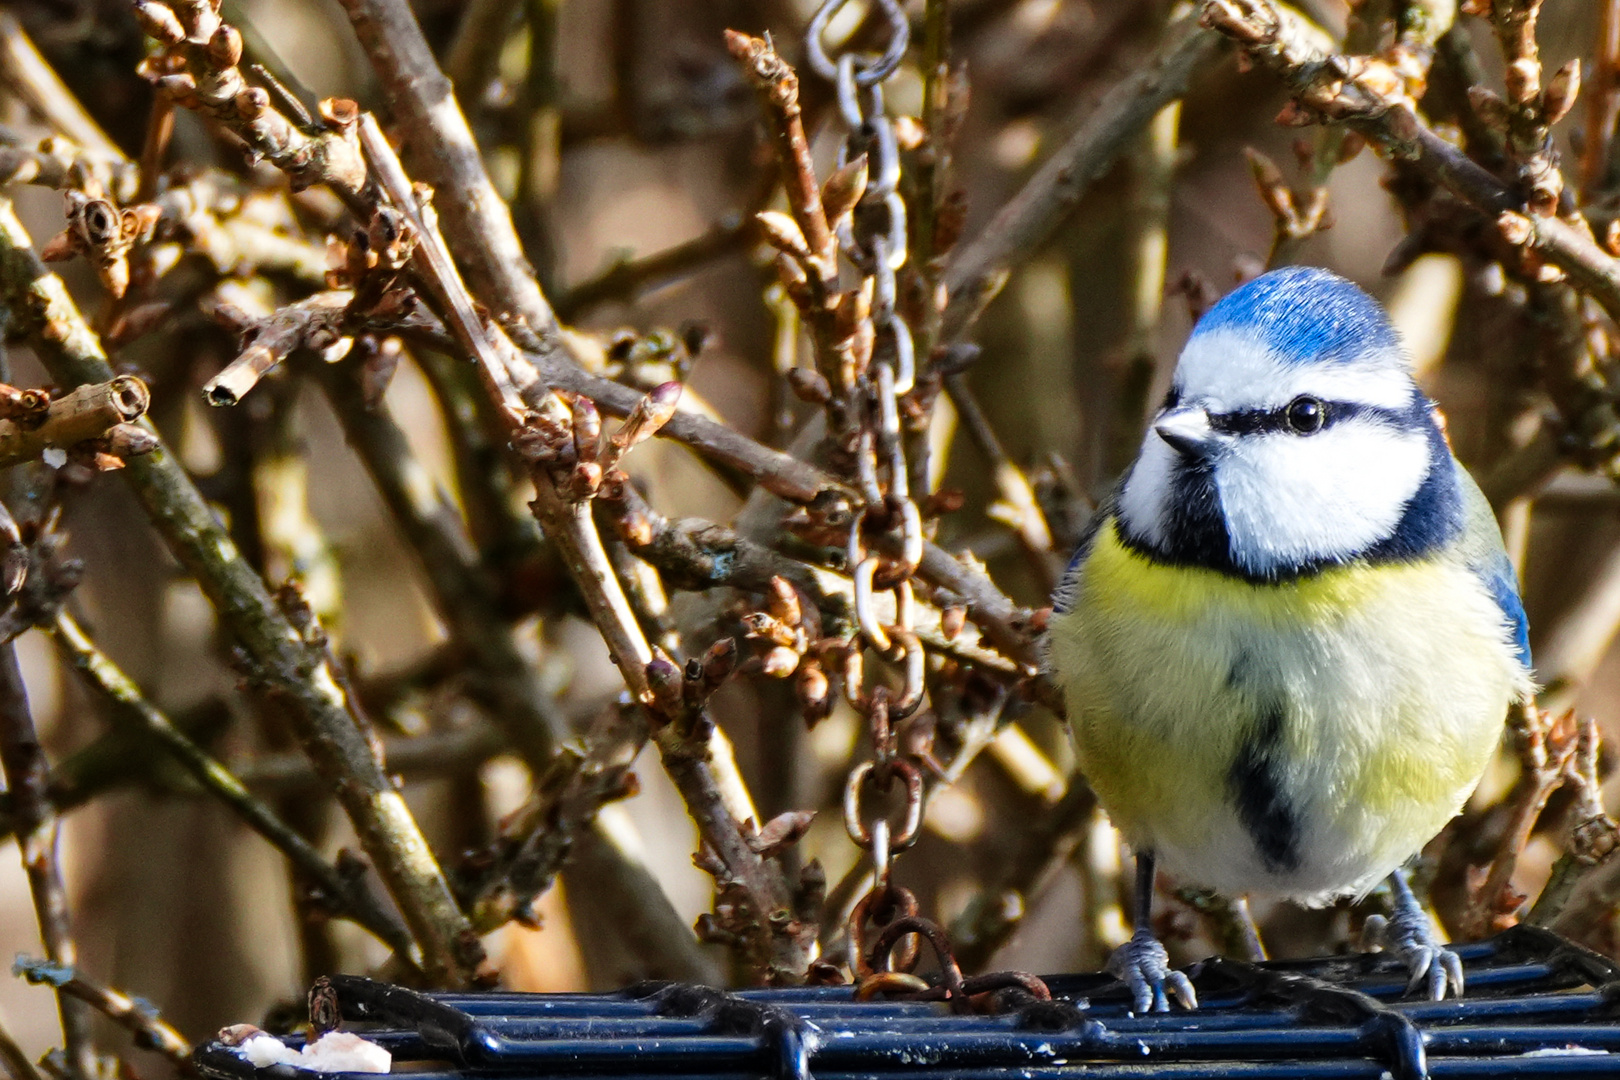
(1144, 967)
(1407, 934)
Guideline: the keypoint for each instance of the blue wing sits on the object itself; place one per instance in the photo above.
(1505, 589)
(1069, 584)
(1482, 544)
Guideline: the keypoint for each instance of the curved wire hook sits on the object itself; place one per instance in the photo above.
(869, 74)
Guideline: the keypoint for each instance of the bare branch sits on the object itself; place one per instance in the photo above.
(129, 1013)
(291, 665)
(439, 150)
(25, 72)
(1354, 91)
(344, 894)
(26, 773)
(89, 412)
(979, 269)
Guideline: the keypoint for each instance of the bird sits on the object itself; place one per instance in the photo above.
(1289, 641)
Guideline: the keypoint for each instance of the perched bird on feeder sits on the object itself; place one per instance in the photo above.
(1290, 639)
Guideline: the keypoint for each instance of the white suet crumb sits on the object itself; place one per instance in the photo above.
(336, 1051)
(262, 1051)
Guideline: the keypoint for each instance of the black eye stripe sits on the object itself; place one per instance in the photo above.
(1267, 421)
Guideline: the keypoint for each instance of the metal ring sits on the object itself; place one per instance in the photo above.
(950, 971)
(911, 824)
(853, 552)
(905, 354)
(899, 41)
(880, 982)
(911, 829)
(814, 51)
(904, 902)
(848, 93)
(865, 616)
(905, 607)
(882, 67)
(897, 229)
(886, 162)
(866, 468)
(911, 536)
(888, 409)
(882, 855)
(852, 805)
(916, 670)
(852, 673)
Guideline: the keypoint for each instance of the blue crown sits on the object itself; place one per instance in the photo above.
(1305, 316)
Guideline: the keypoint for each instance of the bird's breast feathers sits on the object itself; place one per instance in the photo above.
(1298, 739)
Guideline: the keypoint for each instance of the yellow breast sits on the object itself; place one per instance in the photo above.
(1386, 686)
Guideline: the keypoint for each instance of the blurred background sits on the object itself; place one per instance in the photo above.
(661, 144)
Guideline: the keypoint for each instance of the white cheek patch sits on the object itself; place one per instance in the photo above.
(1291, 499)
(1144, 500)
(1230, 369)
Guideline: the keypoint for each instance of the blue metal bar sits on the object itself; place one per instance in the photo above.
(1536, 1007)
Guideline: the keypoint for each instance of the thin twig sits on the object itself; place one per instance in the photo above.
(289, 664)
(979, 269)
(1233, 928)
(1018, 507)
(1391, 124)
(440, 151)
(471, 59)
(435, 130)
(26, 773)
(343, 895)
(502, 884)
(1594, 836)
(1577, 642)
(132, 1014)
(696, 555)
(1545, 743)
(626, 279)
(1153, 175)
(26, 73)
(698, 769)
(86, 413)
(1000, 906)
(539, 141)
(159, 129)
(14, 1060)
(58, 163)
(1602, 100)
(434, 755)
(501, 679)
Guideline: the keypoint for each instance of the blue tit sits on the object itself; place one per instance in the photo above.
(1290, 639)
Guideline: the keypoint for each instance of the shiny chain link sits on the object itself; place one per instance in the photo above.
(874, 241)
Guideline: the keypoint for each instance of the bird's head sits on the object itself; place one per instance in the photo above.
(1293, 436)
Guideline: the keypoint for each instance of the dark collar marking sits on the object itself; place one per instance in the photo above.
(1195, 531)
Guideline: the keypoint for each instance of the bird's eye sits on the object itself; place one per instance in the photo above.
(1306, 415)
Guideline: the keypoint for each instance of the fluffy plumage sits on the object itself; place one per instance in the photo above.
(1291, 639)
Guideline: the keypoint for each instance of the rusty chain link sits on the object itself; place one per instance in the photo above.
(874, 241)
(885, 931)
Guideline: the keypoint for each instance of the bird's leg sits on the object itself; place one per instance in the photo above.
(1410, 935)
(1142, 963)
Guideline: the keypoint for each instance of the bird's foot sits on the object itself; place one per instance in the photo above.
(1144, 967)
(1410, 935)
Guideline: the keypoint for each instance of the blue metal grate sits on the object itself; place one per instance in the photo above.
(1536, 1006)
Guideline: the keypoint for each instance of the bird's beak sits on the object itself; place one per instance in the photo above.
(1187, 430)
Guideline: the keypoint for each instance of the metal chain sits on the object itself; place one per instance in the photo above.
(874, 241)
(885, 931)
